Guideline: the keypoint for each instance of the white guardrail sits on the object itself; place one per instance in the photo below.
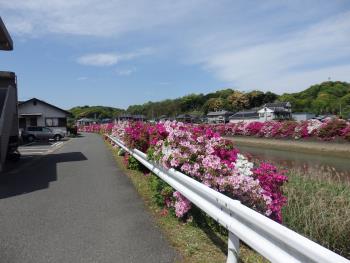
(270, 239)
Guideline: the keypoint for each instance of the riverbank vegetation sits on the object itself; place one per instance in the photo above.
(328, 130)
(196, 239)
(317, 208)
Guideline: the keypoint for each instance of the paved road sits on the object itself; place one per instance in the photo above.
(39, 148)
(75, 205)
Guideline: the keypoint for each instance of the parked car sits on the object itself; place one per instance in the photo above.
(31, 134)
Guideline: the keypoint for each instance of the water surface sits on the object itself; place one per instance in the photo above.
(309, 164)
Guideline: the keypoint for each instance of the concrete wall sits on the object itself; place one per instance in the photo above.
(303, 117)
(245, 120)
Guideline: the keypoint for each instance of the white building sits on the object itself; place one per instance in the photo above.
(35, 112)
(275, 111)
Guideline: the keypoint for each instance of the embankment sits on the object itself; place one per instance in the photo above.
(313, 147)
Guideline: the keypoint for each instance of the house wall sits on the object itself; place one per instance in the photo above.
(45, 110)
(217, 119)
(303, 117)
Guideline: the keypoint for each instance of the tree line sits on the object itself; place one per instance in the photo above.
(331, 97)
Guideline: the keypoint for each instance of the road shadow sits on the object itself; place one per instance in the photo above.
(35, 176)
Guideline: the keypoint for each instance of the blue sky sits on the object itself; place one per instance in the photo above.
(118, 53)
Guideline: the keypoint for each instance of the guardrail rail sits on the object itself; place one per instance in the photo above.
(275, 242)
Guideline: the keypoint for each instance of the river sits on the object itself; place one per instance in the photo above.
(334, 168)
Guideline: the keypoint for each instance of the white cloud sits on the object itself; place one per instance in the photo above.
(82, 78)
(125, 72)
(101, 59)
(271, 45)
(110, 59)
(289, 63)
(94, 17)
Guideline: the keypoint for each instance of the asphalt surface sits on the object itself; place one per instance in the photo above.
(39, 148)
(75, 205)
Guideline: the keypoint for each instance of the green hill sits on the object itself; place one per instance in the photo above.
(98, 112)
(199, 104)
(327, 97)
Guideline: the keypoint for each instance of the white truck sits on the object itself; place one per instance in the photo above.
(9, 138)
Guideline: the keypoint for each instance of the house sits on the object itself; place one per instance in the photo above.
(106, 120)
(187, 118)
(35, 112)
(85, 122)
(246, 116)
(139, 117)
(219, 116)
(275, 111)
(303, 116)
(125, 117)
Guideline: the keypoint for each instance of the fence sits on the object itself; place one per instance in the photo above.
(272, 240)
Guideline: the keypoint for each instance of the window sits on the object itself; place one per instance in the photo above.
(52, 122)
(33, 121)
(62, 122)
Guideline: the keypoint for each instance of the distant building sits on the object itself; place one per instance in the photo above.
(35, 112)
(187, 118)
(106, 120)
(245, 116)
(125, 117)
(275, 111)
(139, 117)
(130, 117)
(303, 116)
(85, 121)
(219, 116)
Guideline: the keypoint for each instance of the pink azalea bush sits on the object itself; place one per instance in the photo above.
(207, 157)
(204, 155)
(327, 130)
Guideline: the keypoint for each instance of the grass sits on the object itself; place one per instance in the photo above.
(193, 242)
(319, 208)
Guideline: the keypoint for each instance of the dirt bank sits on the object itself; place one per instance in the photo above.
(315, 147)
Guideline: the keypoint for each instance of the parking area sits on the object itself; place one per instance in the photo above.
(39, 148)
(31, 152)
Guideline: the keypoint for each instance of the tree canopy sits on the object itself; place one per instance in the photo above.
(327, 97)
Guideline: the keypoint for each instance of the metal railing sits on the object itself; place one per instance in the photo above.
(270, 239)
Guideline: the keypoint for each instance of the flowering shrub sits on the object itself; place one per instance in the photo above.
(346, 133)
(204, 155)
(331, 129)
(328, 130)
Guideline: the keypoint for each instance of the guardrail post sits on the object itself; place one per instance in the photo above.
(233, 248)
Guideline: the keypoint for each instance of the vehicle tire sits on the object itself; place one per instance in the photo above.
(30, 138)
(57, 137)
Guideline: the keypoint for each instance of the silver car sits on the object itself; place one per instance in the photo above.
(31, 134)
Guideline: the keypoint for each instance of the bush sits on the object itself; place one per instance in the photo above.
(331, 129)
